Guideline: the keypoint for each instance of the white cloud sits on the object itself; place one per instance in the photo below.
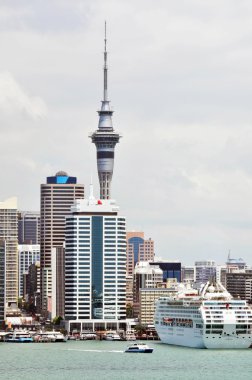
(13, 99)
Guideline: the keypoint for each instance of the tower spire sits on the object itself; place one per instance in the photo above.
(105, 86)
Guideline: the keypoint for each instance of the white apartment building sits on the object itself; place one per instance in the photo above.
(9, 234)
(27, 254)
(95, 265)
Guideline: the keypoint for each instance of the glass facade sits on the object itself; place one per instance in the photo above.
(170, 270)
(136, 241)
(97, 267)
(95, 270)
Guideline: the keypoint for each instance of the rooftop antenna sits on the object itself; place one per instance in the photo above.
(105, 88)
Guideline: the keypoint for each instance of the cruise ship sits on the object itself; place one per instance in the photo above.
(209, 318)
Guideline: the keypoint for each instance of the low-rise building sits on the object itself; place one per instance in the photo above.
(148, 298)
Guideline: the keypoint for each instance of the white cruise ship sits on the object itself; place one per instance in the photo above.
(210, 318)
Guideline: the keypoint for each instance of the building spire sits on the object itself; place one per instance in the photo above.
(105, 88)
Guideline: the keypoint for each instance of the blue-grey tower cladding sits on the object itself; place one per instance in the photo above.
(105, 138)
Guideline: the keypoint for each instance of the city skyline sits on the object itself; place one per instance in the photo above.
(180, 84)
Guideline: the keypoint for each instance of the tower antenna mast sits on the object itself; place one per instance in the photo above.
(105, 87)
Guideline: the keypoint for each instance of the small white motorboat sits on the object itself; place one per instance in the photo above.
(139, 347)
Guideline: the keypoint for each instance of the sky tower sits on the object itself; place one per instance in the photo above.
(105, 138)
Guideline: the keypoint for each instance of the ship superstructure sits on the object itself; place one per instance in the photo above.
(105, 138)
(210, 318)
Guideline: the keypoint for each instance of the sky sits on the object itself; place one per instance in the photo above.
(180, 83)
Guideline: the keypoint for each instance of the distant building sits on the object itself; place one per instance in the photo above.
(129, 290)
(57, 196)
(170, 269)
(205, 271)
(58, 282)
(188, 274)
(2, 281)
(239, 284)
(221, 271)
(32, 286)
(28, 227)
(145, 276)
(9, 233)
(147, 300)
(138, 249)
(27, 254)
(235, 264)
(95, 270)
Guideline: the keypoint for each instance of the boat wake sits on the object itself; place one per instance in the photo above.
(75, 349)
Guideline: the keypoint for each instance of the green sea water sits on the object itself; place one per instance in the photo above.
(98, 360)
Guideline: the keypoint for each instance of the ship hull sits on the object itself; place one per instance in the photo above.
(192, 338)
(185, 337)
(232, 342)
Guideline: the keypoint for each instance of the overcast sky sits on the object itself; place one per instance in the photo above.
(180, 83)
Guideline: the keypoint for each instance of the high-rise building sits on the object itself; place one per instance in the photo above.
(205, 271)
(28, 227)
(57, 197)
(9, 233)
(27, 254)
(145, 276)
(138, 249)
(95, 270)
(2, 281)
(105, 138)
(32, 286)
(58, 282)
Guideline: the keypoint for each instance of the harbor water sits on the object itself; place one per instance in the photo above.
(98, 360)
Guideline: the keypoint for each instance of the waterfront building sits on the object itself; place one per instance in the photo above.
(145, 276)
(138, 249)
(95, 265)
(105, 138)
(239, 284)
(9, 233)
(2, 281)
(28, 227)
(147, 300)
(205, 270)
(27, 255)
(171, 269)
(57, 197)
(188, 274)
(58, 282)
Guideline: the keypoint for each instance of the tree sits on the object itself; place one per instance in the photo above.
(57, 319)
(140, 329)
(129, 310)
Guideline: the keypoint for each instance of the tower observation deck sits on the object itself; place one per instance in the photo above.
(105, 138)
